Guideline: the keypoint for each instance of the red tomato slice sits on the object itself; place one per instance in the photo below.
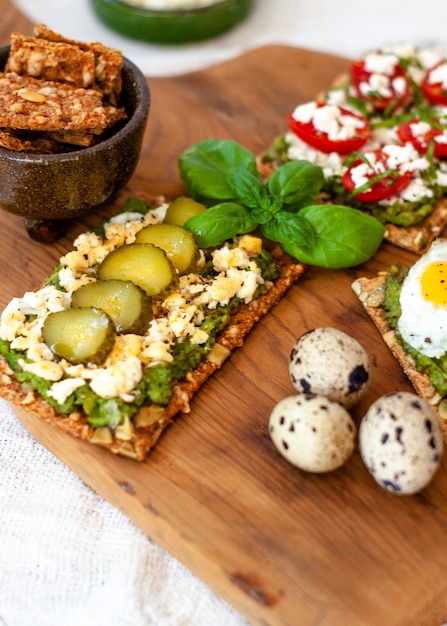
(433, 89)
(321, 141)
(407, 133)
(396, 84)
(384, 188)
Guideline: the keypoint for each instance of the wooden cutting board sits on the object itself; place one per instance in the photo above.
(285, 548)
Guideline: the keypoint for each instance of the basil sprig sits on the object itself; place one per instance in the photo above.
(223, 175)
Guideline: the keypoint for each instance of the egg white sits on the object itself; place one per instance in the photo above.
(423, 324)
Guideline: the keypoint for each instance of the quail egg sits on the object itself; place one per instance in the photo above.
(329, 362)
(401, 442)
(312, 432)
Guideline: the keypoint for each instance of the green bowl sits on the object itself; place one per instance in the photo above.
(172, 26)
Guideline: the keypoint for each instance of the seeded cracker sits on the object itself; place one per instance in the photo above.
(73, 137)
(30, 104)
(48, 60)
(136, 439)
(371, 293)
(415, 238)
(108, 61)
(68, 90)
(39, 145)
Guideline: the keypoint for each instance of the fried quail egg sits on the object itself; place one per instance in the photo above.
(312, 432)
(329, 362)
(401, 442)
(423, 301)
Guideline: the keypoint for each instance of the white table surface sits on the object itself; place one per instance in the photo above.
(344, 27)
(67, 557)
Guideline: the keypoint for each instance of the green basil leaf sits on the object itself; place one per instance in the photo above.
(345, 237)
(262, 215)
(204, 168)
(298, 183)
(247, 187)
(219, 223)
(267, 208)
(272, 203)
(291, 228)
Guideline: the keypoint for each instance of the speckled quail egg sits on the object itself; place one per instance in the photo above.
(312, 432)
(329, 362)
(401, 442)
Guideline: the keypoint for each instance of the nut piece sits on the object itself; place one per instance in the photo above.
(31, 96)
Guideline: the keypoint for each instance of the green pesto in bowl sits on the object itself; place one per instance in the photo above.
(172, 26)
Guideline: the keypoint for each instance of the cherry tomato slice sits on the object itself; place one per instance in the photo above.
(434, 83)
(384, 188)
(420, 134)
(382, 89)
(349, 131)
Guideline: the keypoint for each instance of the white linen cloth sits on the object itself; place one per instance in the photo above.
(67, 557)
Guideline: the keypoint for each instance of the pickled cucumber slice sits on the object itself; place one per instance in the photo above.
(79, 335)
(127, 304)
(178, 243)
(181, 209)
(143, 264)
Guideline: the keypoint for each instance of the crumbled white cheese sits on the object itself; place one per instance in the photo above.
(331, 163)
(36, 303)
(399, 85)
(381, 63)
(49, 370)
(416, 190)
(439, 75)
(406, 159)
(420, 128)
(376, 84)
(118, 379)
(329, 119)
(156, 352)
(62, 389)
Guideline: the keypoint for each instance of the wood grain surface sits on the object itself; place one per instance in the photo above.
(285, 548)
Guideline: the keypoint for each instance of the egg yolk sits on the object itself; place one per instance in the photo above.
(434, 283)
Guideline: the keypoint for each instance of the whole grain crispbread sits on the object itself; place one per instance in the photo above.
(371, 293)
(414, 238)
(152, 420)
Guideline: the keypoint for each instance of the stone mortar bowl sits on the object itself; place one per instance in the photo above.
(49, 189)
